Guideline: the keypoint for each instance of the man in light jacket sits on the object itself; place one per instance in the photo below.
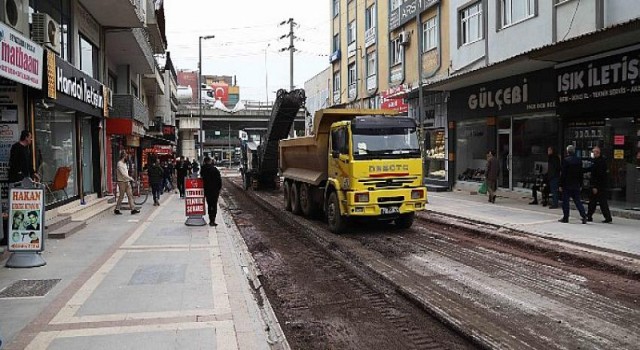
(124, 184)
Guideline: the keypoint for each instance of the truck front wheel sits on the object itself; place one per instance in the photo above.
(405, 221)
(295, 199)
(336, 221)
(286, 189)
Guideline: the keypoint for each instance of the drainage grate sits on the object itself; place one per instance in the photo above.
(28, 288)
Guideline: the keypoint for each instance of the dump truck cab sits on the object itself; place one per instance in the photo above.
(375, 169)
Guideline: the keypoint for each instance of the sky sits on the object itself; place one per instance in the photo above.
(244, 30)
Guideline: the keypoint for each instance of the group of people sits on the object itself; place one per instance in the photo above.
(161, 179)
(566, 177)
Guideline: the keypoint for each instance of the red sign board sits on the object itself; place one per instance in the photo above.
(194, 197)
(618, 140)
(394, 99)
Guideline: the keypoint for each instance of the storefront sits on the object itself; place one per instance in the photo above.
(123, 134)
(515, 117)
(599, 103)
(69, 132)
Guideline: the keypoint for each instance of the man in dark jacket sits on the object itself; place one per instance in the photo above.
(553, 175)
(571, 183)
(181, 174)
(493, 169)
(20, 165)
(156, 176)
(212, 184)
(599, 187)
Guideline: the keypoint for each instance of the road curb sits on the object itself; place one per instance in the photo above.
(620, 263)
(277, 338)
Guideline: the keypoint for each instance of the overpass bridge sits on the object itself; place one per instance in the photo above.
(221, 128)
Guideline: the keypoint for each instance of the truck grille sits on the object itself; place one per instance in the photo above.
(388, 183)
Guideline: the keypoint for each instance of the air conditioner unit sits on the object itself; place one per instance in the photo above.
(15, 13)
(404, 38)
(46, 31)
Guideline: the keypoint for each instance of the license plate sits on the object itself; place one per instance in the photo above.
(389, 210)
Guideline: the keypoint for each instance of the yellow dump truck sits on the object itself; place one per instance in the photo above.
(359, 163)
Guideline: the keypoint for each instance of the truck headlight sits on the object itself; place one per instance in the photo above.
(362, 197)
(417, 194)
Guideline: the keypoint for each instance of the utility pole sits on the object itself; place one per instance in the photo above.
(200, 133)
(291, 50)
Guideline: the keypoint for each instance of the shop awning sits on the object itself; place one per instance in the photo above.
(602, 40)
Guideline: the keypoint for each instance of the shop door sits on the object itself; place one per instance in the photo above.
(86, 142)
(505, 158)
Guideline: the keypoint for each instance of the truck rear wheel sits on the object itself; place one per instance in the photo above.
(337, 222)
(405, 221)
(286, 189)
(306, 200)
(295, 199)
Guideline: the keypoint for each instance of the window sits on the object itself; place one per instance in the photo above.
(351, 75)
(514, 11)
(336, 7)
(471, 23)
(370, 17)
(336, 42)
(336, 82)
(351, 32)
(88, 58)
(396, 51)
(339, 141)
(371, 64)
(430, 34)
(112, 82)
(134, 90)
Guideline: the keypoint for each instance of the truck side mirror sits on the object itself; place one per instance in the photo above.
(335, 154)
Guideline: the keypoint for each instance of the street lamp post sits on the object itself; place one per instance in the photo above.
(200, 134)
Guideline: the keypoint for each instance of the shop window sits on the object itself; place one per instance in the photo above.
(55, 145)
(435, 159)
(471, 29)
(88, 58)
(531, 139)
(471, 151)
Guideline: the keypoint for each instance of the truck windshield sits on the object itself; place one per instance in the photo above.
(385, 143)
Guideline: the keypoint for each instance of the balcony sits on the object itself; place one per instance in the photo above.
(153, 83)
(128, 106)
(131, 47)
(156, 37)
(115, 13)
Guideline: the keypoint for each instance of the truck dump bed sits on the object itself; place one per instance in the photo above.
(306, 158)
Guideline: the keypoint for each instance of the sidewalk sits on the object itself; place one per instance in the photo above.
(142, 282)
(623, 235)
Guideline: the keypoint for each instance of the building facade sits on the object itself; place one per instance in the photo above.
(317, 92)
(88, 92)
(514, 76)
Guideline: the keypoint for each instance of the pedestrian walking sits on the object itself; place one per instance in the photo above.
(599, 193)
(20, 164)
(553, 175)
(571, 177)
(493, 169)
(187, 163)
(124, 184)
(195, 167)
(167, 172)
(181, 174)
(156, 178)
(212, 184)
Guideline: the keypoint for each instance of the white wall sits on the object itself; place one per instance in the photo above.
(520, 37)
(317, 91)
(584, 17)
(619, 11)
(462, 56)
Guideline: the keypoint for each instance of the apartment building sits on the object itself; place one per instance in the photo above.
(90, 89)
(514, 76)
